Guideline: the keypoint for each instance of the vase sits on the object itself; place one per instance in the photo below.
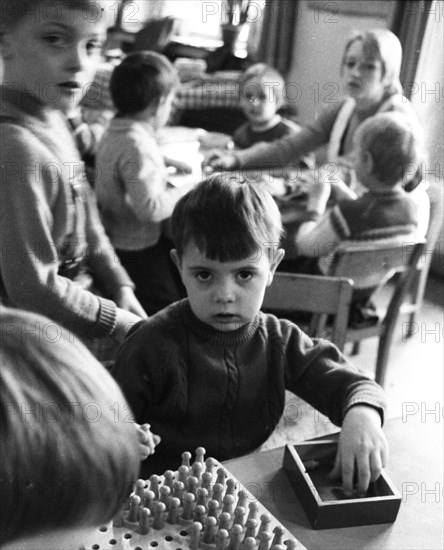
(230, 34)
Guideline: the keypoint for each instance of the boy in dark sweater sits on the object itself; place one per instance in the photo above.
(212, 369)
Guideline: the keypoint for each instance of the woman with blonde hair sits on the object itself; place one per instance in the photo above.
(370, 70)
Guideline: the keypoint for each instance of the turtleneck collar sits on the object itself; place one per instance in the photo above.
(214, 336)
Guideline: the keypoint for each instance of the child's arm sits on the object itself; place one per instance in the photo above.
(147, 440)
(362, 450)
(181, 167)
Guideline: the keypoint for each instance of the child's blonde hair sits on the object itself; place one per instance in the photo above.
(269, 75)
(69, 451)
(383, 45)
(393, 144)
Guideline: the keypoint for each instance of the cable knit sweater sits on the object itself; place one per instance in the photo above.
(225, 391)
(48, 218)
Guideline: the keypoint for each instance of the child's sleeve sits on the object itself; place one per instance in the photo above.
(319, 373)
(30, 258)
(145, 177)
(142, 369)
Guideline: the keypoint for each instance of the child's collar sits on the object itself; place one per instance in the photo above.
(270, 124)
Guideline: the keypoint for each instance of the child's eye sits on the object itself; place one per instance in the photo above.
(56, 40)
(203, 276)
(350, 64)
(245, 275)
(370, 66)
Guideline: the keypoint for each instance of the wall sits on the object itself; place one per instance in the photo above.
(321, 32)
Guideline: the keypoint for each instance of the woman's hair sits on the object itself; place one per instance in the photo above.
(266, 73)
(141, 80)
(383, 45)
(393, 144)
(69, 452)
(228, 220)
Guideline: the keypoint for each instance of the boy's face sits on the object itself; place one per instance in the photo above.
(226, 295)
(53, 52)
(259, 102)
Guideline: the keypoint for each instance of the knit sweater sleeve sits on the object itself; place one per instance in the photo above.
(318, 372)
(144, 177)
(105, 265)
(29, 261)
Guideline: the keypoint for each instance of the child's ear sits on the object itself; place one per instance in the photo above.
(175, 257)
(276, 258)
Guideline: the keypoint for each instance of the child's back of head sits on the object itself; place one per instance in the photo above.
(141, 81)
(228, 220)
(393, 145)
(67, 457)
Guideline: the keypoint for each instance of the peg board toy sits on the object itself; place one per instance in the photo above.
(200, 506)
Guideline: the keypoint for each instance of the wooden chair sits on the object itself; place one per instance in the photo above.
(416, 291)
(373, 265)
(292, 292)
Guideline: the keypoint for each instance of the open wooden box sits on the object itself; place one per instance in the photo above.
(307, 466)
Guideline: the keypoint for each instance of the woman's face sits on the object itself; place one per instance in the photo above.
(363, 76)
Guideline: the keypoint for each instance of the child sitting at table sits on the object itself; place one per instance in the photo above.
(262, 91)
(386, 147)
(132, 179)
(69, 450)
(212, 369)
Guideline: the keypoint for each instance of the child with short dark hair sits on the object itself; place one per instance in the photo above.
(56, 258)
(132, 179)
(69, 453)
(212, 369)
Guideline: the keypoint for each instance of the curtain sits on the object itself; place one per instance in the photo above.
(409, 24)
(278, 32)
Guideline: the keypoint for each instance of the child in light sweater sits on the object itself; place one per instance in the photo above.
(212, 369)
(56, 258)
(132, 179)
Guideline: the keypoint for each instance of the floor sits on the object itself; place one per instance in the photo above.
(414, 382)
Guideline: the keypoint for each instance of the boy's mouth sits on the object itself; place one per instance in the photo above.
(71, 85)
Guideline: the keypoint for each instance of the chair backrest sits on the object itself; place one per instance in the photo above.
(293, 292)
(372, 264)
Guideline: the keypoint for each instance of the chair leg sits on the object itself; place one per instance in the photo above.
(382, 359)
(410, 325)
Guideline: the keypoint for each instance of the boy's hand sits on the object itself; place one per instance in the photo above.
(147, 440)
(362, 450)
(126, 299)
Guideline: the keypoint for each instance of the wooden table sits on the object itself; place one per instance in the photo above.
(416, 468)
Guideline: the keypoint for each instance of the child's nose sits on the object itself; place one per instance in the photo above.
(224, 292)
(78, 58)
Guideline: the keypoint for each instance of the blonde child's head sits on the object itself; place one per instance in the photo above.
(143, 82)
(262, 90)
(389, 146)
(51, 48)
(69, 454)
(384, 46)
